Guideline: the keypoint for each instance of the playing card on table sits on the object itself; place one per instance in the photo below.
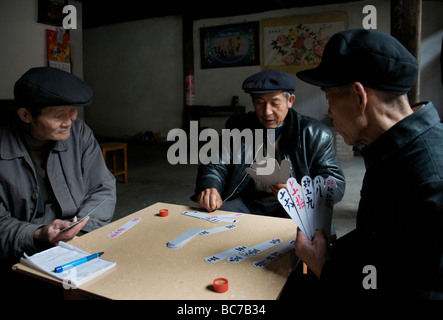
(212, 218)
(223, 217)
(181, 240)
(252, 251)
(120, 230)
(275, 255)
(216, 230)
(225, 254)
(200, 215)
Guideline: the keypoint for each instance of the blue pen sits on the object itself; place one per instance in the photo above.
(77, 262)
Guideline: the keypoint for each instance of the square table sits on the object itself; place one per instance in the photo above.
(147, 269)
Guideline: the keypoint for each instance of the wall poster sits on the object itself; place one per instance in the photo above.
(296, 43)
(59, 49)
(230, 45)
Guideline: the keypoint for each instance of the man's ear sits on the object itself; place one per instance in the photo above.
(362, 95)
(24, 115)
(291, 101)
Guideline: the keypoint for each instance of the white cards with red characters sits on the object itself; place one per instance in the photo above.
(310, 203)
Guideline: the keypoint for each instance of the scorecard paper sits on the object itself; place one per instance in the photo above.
(45, 261)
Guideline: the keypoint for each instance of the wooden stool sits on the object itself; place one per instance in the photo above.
(114, 146)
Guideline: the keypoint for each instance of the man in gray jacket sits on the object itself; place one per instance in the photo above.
(52, 172)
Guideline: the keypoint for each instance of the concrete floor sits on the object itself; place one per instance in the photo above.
(152, 179)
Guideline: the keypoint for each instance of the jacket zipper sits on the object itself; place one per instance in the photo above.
(244, 176)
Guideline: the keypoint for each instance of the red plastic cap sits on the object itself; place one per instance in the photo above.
(220, 285)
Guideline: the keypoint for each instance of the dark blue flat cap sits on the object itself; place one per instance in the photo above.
(46, 87)
(375, 59)
(269, 81)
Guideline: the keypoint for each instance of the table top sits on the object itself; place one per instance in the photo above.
(147, 269)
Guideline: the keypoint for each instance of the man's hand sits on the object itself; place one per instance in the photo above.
(314, 253)
(51, 232)
(277, 187)
(209, 199)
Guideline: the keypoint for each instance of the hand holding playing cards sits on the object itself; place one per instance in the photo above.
(314, 253)
(52, 232)
(277, 187)
(209, 199)
(309, 204)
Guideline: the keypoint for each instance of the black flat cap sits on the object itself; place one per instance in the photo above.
(375, 59)
(268, 81)
(46, 87)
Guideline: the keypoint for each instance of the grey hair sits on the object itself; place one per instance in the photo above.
(285, 93)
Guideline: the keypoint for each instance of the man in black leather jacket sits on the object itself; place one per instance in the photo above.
(305, 142)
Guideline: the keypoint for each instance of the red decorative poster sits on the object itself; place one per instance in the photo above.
(59, 49)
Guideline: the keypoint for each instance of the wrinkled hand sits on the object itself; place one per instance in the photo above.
(51, 232)
(210, 200)
(314, 253)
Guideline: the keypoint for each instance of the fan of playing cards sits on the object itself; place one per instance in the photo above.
(309, 204)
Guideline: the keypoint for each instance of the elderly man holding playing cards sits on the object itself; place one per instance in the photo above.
(52, 170)
(396, 249)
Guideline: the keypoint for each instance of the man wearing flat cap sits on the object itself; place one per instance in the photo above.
(305, 142)
(396, 249)
(52, 172)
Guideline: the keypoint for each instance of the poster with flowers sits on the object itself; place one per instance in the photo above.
(297, 43)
